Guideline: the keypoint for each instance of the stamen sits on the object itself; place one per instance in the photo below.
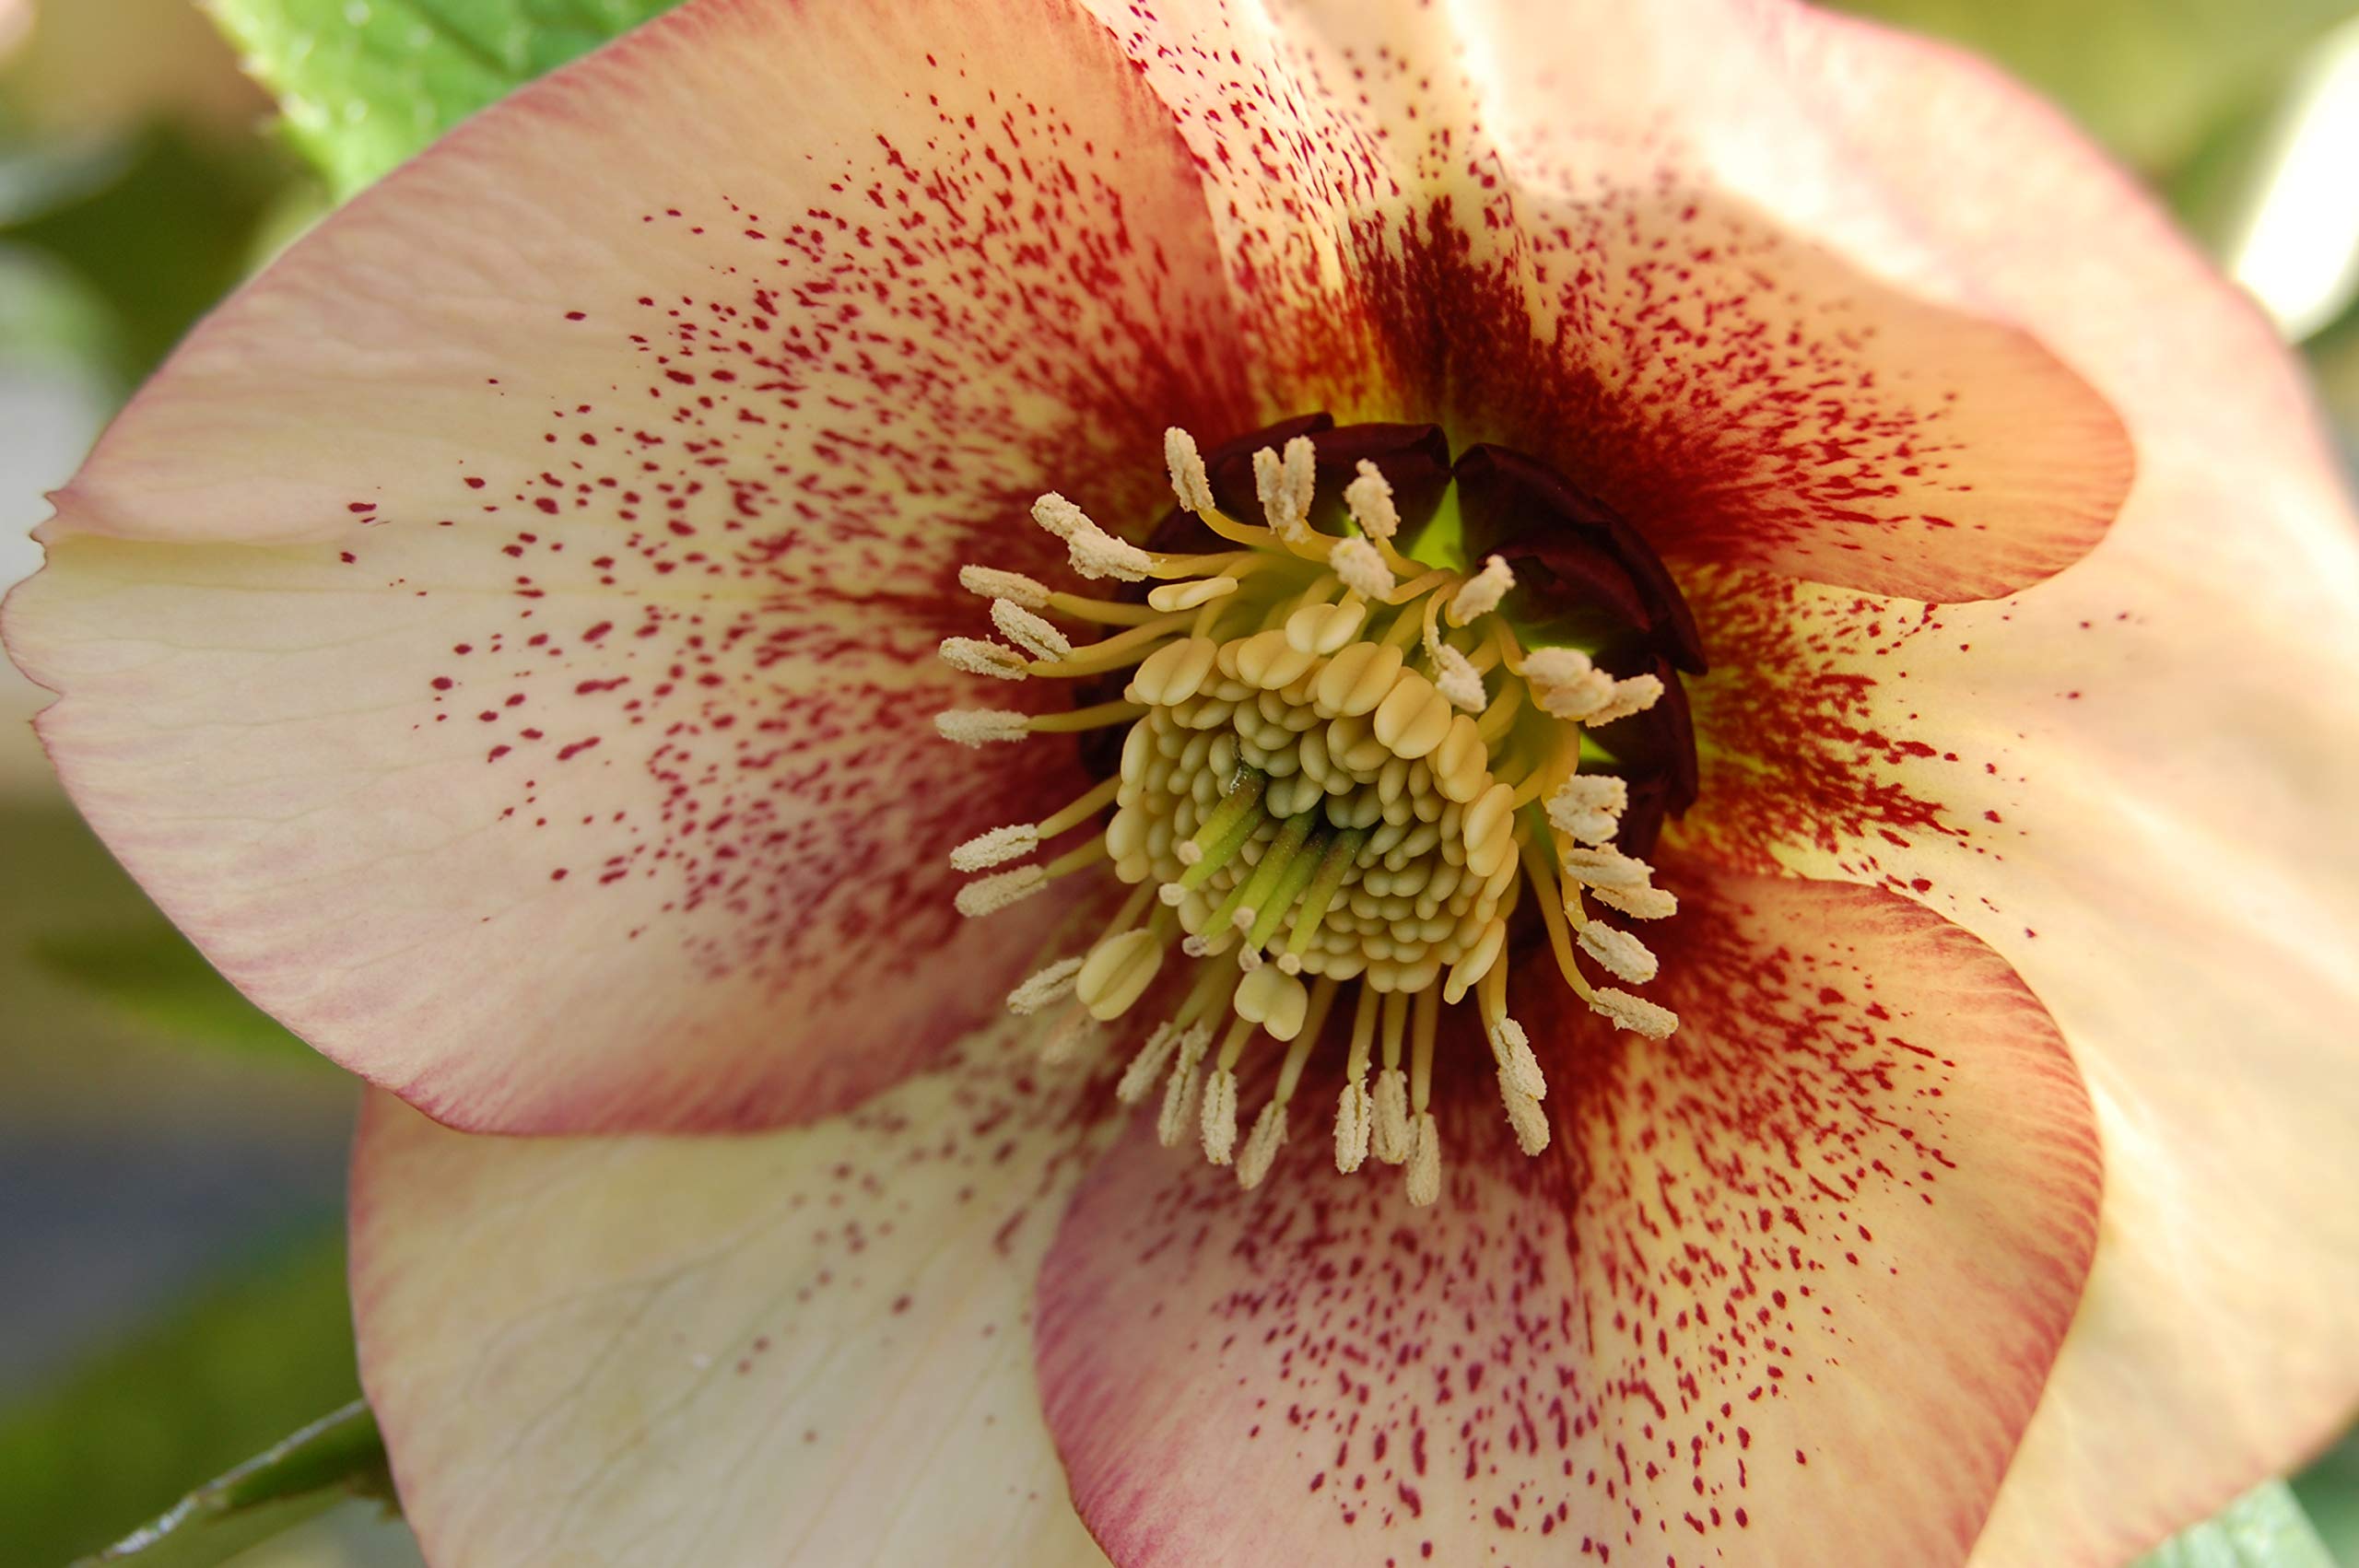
(1355, 1109)
(1588, 806)
(1634, 696)
(1368, 498)
(1638, 903)
(1635, 1013)
(990, 582)
(980, 656)
(1189, 481)
(990, 894)
(1455, 678)
(1147, 1066)
(1091, 550)
(1262, 1146)
(1482, 592)
(1051, 985)
(1179, 1091)
(1283, 484)
(1322, 779)
(995, 847)
(1362, 567)
(1564, 682)
(1070, 1039)
(1526, 1116)
(1605, 868)
(1425, 1161)
(1028, 631)
(1623, 955)
(1354, 1116)
(982, 727)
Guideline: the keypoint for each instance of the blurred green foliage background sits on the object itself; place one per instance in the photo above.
(170, 1162)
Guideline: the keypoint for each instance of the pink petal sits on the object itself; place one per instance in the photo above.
(1784, 1290)
(1625, 239)
(503, 637)
(806, 1348)
(2134, 783)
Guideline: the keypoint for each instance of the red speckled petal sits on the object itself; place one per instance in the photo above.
(2134, 782)
(1624, 237)
(503, 637)
(799, 1350)
(1782, 1291)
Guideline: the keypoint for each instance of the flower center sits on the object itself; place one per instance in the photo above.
(1345, 768)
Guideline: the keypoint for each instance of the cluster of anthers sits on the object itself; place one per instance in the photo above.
(1342, 766)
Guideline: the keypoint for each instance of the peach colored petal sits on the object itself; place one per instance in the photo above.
(1622, 236)
(503, 637)
(2133, 781)
(803, 1348)
(1783, 1291)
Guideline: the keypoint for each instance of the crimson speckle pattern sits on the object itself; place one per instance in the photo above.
(1855, 1195)
(1403, 247)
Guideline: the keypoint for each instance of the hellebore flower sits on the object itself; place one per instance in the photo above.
(1826, 864)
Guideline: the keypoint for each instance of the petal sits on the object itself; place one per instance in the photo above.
(800, 1347)
(1623, 239)
(2134, 783)
(503, 637)
(1783, 1290)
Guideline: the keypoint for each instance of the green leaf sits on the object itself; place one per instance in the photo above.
(157, 230)
(364, 84)
(116, 1440)
(151, 971)
(2264, 1528)
(339, 1455)
(2150, 80)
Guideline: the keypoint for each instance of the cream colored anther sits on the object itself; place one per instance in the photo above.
(1262, 1146)
(1361, 567)
(1274, 999)
(1368, 498)
(1456, 678)
(1633, 1014)
(992, 584)
(1424, 1163)
(1218, 1122)
(1638, 903)
(1357, 679)
(1620, 953)
(980, 656)
(1028, 631)
(981, 726)
(1414, 718)
(1048, 987)
(1189, 481)
(1355, 1120)
(1480, 594)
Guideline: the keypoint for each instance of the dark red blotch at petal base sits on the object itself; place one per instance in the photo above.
(1783, 1290)
(1570, 551)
